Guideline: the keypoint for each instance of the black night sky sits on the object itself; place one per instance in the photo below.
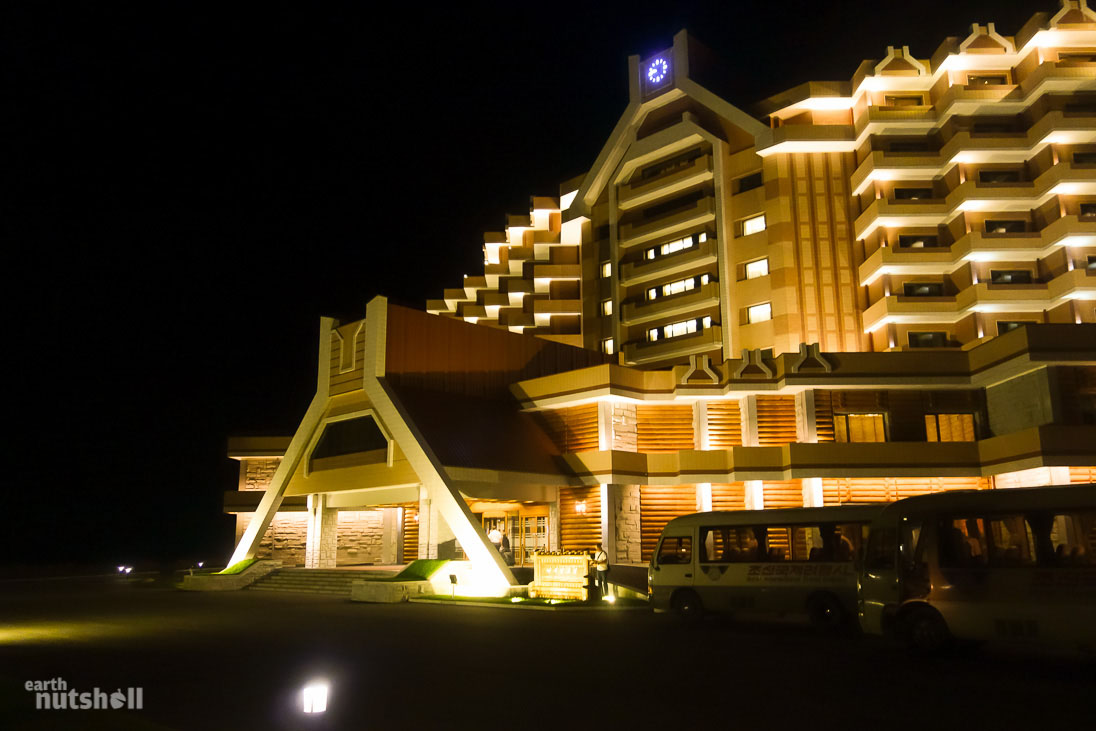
(191, 186)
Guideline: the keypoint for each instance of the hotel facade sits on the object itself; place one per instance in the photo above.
(851, 291)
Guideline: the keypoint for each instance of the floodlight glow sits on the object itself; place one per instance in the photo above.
(121, 569)
(200, 564)
(129, 569)
(314, 697)
(657, 70)
(609, 598)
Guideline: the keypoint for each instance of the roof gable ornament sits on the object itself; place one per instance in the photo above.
(700, 368)
(811, 359)
(1073, 12)
(985, 38)
(900, 62)
(752, 366)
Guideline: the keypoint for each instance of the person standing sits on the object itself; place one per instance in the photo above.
(601, 563)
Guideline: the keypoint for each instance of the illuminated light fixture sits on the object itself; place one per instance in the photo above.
(129, 569)
(609, 598)
(580, 506)
(882, 321)
(515, 600)
(201, 563)
(657, 70)
(471, 320)
(822, 103)
(121, 569)
(314, 697)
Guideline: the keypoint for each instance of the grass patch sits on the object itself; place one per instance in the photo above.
(238, 567)
(419, 570)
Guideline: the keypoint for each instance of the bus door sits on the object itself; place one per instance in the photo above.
(673, 564)
(723, 578)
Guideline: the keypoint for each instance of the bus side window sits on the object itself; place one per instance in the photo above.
(675, 550)
(963, 543)
(714, 545)
(1073, 538)
(778, 541)
(1013, 541)
(882, 547)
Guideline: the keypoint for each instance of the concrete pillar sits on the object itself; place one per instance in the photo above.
(812, 492)
(626, 539)
(425, 519)
(703, 497)
(700, 420)
(755, 495)
(806, 427)
(610, 498)
(390, 535)
(553, 524)
(322, 537)
(747, 405)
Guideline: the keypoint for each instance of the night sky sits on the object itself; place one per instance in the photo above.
(191, 187)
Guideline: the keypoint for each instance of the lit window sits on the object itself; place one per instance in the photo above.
(685, 327)
(753, 225)
(755, 269)
(607, 346)
(759, 313)
(652, 293)
(706, 322)
(949, 427)
(606, 307)
(859, 428)
(606, 270)
(702, 238)
(652, 334)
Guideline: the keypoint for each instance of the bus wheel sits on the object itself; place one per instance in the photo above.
(825, 612)
(687, 605)
(924, 629)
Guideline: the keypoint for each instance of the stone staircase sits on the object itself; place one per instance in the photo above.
(308, 581)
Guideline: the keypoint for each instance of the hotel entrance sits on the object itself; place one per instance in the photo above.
(525, 525)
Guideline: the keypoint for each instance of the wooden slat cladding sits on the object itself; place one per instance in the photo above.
(841, 490)
(775, 420)
(658, 506)
(573, 429)
(730, 496)
(823, 415)
(579, 518)
(724, 424)
(783, 493)
(664, 428)
(1082, 475)
(410, 532)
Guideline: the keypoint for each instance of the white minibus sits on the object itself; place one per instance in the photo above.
(1015, 566)
(796, 562)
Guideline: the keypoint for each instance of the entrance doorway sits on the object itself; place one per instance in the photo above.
(524, 524)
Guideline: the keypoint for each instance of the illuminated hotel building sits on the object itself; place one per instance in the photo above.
(852, 291)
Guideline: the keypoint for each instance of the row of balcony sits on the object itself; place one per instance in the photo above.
(1050, 77)
(703, 297)
(703, 341)
(1062, 179)
(632, 195)
(1072, 231)
(1054, 128)
(982, 297)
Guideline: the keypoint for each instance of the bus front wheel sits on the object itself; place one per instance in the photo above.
(922, 628)
(687, 605)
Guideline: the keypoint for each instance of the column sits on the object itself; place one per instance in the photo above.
(703, 497)
(806, 427)
(755, 495)
(747, 405)
(812, 492)
(553, 524)
(627, 528)
(610, 497)
(322, 537)
(390, 535)
(426, 517)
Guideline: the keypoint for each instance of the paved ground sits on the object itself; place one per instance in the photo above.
(235, 661)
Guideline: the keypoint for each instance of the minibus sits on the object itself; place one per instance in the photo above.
(1016, 566)
(795, 562)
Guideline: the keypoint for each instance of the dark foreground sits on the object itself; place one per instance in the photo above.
(237, 661)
